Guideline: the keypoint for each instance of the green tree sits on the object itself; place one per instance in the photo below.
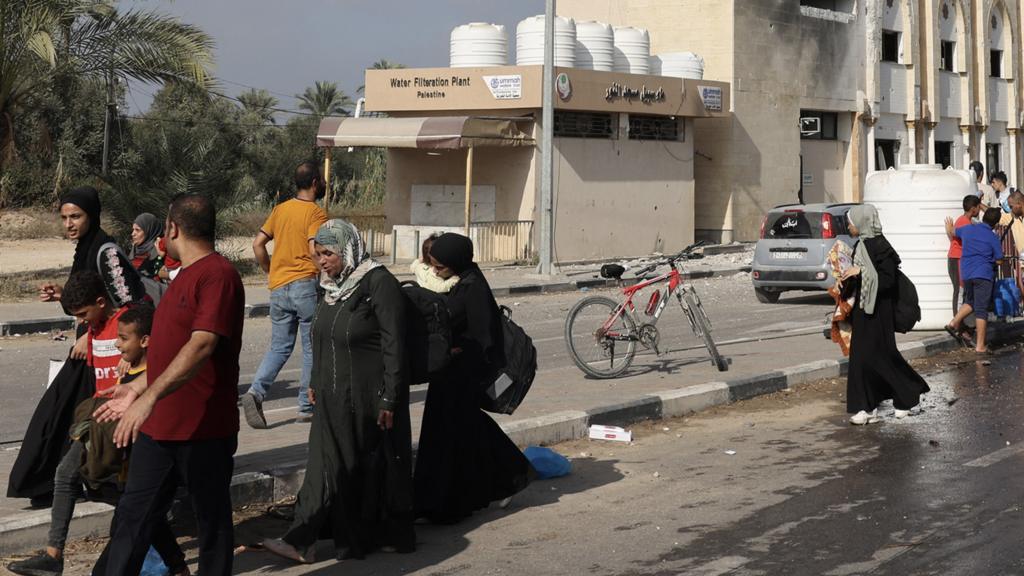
(381, 65)
(259, 103)
(44, 40)
(325, 99)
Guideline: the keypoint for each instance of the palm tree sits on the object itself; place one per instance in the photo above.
(90, 39)
(259, 102)
(325, 99)
(381, 64)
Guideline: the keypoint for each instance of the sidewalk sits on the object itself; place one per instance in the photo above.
(270, 463)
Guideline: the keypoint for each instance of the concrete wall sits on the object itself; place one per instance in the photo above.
(621, 198)
(509, 170)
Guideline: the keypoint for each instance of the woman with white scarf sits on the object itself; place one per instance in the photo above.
(877, 371)
(358, 483)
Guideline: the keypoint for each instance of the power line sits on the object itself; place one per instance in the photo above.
(239, 84)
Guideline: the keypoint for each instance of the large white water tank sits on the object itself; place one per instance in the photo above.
(632, 50)
(530, 41)
(678, 65)
(595, 46)
(479, 44)
(913, 203)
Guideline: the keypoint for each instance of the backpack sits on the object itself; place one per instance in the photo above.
(907, 309)
(513, 381)
(428, 334)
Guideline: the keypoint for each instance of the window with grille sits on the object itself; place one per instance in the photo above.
(584, 125)
(653, 128)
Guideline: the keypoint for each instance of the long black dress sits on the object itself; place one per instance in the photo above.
(355, 491)
(464, 460)
(46, 436)
(877, 369)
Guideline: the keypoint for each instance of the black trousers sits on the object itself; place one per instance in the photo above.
(205, 468)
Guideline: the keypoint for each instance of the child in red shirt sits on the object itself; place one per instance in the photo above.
(972, 207)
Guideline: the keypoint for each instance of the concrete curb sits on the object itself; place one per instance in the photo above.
(28, 530)
(262, 309)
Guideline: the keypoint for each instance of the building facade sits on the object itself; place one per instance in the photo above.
(824, 91)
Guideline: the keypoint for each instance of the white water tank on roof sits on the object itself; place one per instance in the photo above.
(479, 44)
(913, 203)
(632, 50)
(530, 41)
(678, 65)
(595, 46)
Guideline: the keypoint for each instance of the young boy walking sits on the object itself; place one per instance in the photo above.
(981, 251)
(113, 335)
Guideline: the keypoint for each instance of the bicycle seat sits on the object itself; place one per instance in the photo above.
(612, 271)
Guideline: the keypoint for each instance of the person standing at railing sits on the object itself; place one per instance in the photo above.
(293, 272)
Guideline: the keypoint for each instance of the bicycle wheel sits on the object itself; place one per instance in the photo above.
(702, 327)
(600, 346)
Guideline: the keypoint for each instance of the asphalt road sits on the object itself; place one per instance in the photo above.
(776, 485)
(729, 302)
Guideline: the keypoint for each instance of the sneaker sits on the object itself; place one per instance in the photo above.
(861, 418)
(252, 407)
(286, 550)
(304, 417)
(40, 565)
(901, 413)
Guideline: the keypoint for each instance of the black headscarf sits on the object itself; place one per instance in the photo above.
(454, 251)
(152, 229)
(88, 248)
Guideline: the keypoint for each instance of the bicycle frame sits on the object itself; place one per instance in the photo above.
(674, 280)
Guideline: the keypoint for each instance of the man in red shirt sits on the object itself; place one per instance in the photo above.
(184, 427)
(972, 207)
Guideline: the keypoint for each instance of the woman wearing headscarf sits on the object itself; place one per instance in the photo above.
(146, 231)
(877, 370)
(465, 461)
(46, 438)
(358, 483)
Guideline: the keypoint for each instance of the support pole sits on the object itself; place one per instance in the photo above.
(546, 144)
(469, 188)
(327, 179)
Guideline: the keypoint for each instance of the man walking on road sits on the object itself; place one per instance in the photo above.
(293, 273)
(183, 428)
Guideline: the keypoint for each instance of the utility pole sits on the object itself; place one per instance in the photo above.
(108, 119)
(546, 142)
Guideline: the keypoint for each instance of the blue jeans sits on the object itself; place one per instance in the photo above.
(291, 310)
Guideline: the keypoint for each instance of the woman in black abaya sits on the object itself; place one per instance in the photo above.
(465, 461)
(46, 438)
(877, 371)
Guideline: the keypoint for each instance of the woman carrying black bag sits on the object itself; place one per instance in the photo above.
(358, 483)
(465, 461)
(877, 371)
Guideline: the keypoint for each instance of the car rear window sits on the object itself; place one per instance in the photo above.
(793, 225)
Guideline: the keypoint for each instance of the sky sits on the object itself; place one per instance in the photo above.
(284, 46)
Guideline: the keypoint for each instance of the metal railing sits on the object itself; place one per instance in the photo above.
(502, 241)
(374, 231)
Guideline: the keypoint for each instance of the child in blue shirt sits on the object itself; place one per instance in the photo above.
(981, 251)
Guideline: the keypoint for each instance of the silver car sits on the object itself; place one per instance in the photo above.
(792, 253)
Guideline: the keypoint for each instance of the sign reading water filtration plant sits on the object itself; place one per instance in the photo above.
(505, 87)
(645, 95)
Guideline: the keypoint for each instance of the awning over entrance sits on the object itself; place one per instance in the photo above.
(432, 133)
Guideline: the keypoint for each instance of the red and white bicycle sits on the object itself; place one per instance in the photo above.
(602, 334)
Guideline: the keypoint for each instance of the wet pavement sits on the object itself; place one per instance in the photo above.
(781, 484)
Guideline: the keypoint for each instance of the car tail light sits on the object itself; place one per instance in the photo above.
(764, 222)
(827, 231)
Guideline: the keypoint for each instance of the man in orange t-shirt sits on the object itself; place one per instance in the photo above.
(293, 282)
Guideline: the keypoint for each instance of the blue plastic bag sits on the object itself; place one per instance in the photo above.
(1007, 298)
(547, 462)
(154, 564)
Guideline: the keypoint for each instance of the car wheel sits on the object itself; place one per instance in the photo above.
(767, 296)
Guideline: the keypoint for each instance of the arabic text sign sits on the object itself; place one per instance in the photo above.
(506, 87)
(712, 97)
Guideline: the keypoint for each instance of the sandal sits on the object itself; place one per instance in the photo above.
(958, 336)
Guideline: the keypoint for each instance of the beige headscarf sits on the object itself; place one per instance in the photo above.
(869, 225)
